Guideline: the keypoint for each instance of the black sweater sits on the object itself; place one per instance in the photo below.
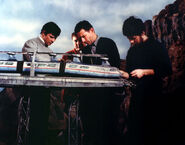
(104, 46)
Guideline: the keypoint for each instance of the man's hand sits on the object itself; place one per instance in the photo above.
(139, 73)
(124, 74)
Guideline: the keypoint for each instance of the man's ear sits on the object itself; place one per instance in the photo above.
(43, 32)
(92, 29)
(144, 36)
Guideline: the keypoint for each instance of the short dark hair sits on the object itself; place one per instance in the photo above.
(82, 25)
(52, 28)
(133, 26)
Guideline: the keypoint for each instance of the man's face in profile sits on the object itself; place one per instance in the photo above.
(134, 39)
(48, 38)
(75, 42)
(85, 36)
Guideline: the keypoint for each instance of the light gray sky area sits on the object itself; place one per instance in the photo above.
(22, 20)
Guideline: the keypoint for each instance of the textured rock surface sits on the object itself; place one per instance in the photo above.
(169, 28)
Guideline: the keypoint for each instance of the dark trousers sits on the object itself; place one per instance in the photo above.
(95, 112)
(39, 112)
(147, 118)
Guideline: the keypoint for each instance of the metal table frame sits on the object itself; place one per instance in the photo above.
(11, 80)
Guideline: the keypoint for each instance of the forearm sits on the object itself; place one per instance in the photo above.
(65, 57)
(147, 72)
(73, 51)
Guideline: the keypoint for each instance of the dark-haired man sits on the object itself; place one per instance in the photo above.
(96, 44)
(96, 104)
(49, 33)
(147, 63)
(40, 96)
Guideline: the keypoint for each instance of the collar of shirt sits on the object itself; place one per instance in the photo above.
(41, 39)
(96, 41)
(93, 47)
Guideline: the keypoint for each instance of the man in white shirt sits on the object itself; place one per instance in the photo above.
(40, 96)
(49, 33)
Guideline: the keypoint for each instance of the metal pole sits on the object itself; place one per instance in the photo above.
(32, 69)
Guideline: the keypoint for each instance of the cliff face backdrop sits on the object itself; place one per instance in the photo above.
(168, 26)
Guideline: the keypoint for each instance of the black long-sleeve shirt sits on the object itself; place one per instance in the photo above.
(104, 46)
(146, 104)
(149, 55)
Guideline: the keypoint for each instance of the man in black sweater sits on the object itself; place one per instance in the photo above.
(97, 45)
(96, 103)
(147, 63)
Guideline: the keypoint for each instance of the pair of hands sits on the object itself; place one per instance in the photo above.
(138, 73)
(76, 50)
